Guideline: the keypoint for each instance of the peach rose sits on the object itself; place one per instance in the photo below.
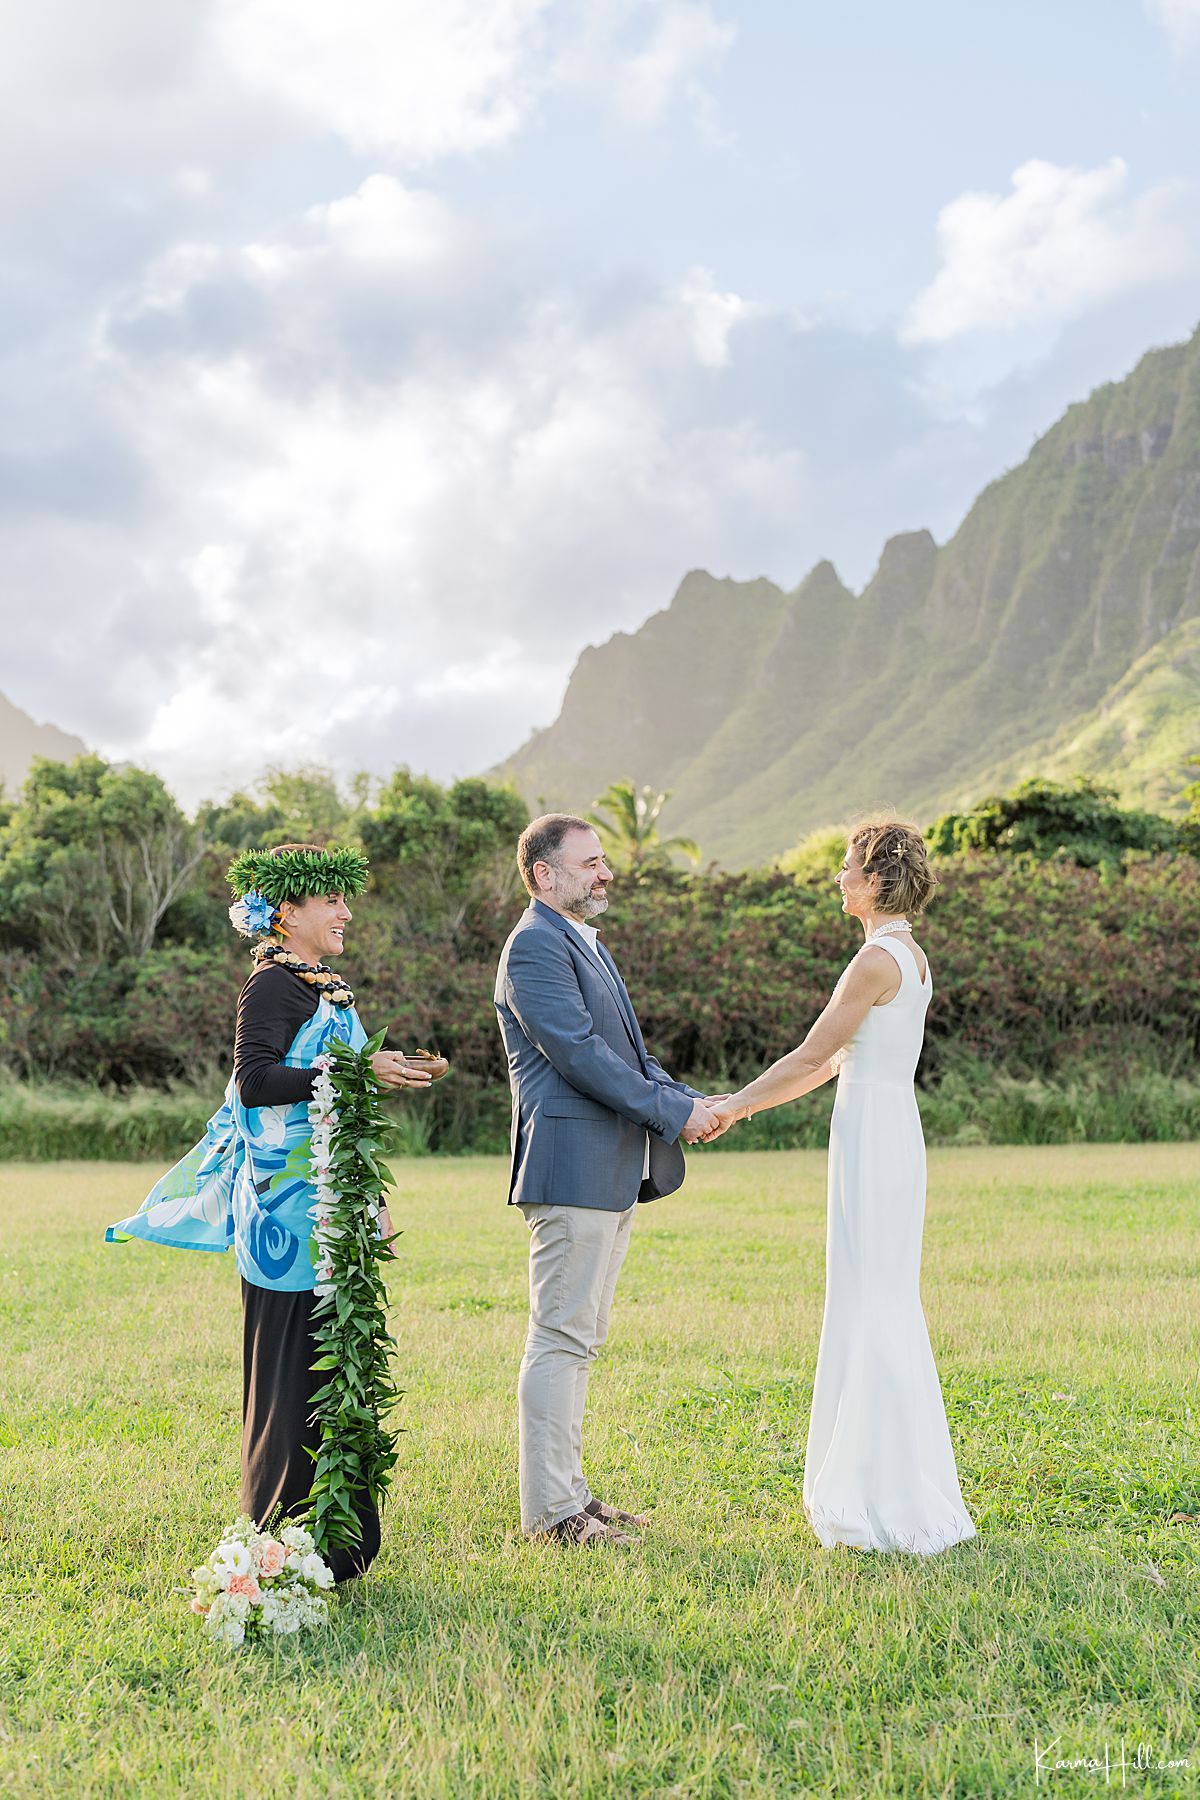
(198, 1605)
(271, 1557)
(244, 1584)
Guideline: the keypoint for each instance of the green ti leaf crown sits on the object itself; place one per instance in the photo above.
(282, 875)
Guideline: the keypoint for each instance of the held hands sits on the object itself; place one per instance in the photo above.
(710, 1119)
(700, 1122)
(723, 1116)
(393, 1071)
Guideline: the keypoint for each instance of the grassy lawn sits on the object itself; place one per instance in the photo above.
(728, 1655)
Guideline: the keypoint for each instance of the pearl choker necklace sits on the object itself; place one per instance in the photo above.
(890, 926)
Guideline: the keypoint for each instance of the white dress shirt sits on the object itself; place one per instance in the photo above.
(591, 937)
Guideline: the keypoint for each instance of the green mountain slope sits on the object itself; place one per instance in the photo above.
(1053, 633)
(1139, 737)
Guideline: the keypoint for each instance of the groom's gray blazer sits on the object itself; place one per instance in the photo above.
(585, 1090)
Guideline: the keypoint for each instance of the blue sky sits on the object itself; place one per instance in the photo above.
(364, 364)
(851, 127)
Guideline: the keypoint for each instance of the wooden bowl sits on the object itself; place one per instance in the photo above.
(425, 1059)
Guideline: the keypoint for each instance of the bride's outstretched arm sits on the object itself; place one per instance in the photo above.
(867, 979)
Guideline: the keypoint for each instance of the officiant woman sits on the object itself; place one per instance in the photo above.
(236, 1190)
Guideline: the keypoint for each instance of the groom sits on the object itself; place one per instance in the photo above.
(596, 1124)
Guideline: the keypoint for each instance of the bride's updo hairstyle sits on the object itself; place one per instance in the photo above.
(893, 852)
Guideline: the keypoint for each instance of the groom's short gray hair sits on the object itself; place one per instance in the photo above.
(542, 839)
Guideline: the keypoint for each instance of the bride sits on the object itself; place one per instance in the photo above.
(879, 1471)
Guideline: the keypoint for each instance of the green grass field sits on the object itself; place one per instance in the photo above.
(728, 1655)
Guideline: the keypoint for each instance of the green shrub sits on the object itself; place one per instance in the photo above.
(972, 1104)
(43, 1123)
(1064, 999)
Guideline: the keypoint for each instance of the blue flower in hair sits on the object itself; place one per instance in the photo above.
(252, 914)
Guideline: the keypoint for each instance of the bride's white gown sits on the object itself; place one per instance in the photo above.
(879, 1472)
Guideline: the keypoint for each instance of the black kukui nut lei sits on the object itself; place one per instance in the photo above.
(330, 986)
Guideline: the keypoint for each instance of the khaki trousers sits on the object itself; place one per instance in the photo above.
(575, 1256)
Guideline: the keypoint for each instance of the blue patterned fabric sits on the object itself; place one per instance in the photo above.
(234, 1190)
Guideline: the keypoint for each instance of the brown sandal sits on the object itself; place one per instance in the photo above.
(612, 1515)
(586, 1529)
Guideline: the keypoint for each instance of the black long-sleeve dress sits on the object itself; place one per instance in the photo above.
(278, 1340)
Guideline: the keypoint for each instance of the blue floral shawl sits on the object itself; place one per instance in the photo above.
(235, 1187)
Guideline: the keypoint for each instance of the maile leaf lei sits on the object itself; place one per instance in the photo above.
(354, 1347)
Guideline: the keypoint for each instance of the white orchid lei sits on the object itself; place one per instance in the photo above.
(350, 1130)
(323, 1117)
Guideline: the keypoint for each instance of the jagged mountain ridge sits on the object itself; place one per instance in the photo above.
(22, 738)
(768, 713)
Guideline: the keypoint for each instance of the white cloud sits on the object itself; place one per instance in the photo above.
(324, 510)
(414, 82)
(1180, 19)
(638, 58)
(435, 530)
(401, 77)
(360, 484)
(1063, 240)
(123, 127)
(385, 222)
(713, 316)
(360, 492)
(685, 39)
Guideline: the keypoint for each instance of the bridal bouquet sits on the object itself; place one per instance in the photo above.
(255, 1585)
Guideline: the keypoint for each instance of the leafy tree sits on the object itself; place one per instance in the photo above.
(445, 894)
(629, 829)
(242, 822)
(91, 857)
(436, 850)
(309, 802)
(303, 805)
(1079, 823)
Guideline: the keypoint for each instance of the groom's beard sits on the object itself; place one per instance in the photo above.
(585, 905)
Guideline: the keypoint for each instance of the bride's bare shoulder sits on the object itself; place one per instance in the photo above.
(880, 964)
(869, 967)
